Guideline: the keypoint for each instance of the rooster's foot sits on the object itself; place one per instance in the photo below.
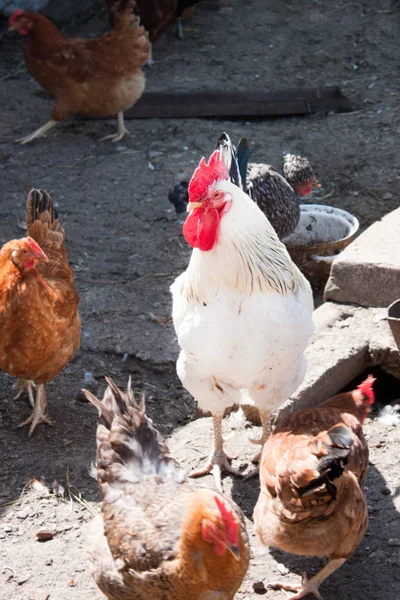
(253, 473)
(261, 441)
(218, 462)
(306, 587)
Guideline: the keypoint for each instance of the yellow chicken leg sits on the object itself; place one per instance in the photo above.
(218, 460)
(39, 411)
(266, 430)
(121, 130)
(25, 385)
(310, 586)
(37, 133)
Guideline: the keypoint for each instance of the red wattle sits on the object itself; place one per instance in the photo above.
(201, 228)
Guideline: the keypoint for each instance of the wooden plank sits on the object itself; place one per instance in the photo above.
(216, 103)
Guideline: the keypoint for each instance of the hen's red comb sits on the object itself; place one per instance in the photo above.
(16, 14)
(34, 244)
(230, 522)
(206, 174)
(366, 388)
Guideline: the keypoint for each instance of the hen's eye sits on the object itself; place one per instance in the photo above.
(24, 251)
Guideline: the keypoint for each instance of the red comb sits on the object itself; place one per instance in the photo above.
(366, 388)
(206, 174)
(229, 519)
(34, 244)
(16, 14)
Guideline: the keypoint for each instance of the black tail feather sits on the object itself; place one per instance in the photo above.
(38, 202)
(228, 150)
(243, 155)
(331, 466)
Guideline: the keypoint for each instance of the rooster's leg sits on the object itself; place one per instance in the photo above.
(37, 133)
(25, 385)
(179, 29)
(39, 412)
(310, 586)
(218, 461)
(266, 430)
(121, 130)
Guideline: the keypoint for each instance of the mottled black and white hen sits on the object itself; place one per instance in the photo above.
(276, 195)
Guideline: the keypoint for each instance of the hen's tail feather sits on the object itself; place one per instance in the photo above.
(43, 223)
(228, 151)
(126, 22)
(129, 448)
(38, 202)
(332, 465)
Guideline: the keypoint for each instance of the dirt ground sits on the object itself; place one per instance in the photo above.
(125, 244)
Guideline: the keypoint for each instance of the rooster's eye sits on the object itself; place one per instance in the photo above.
(216, 195)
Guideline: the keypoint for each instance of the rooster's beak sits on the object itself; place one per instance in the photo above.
(315, 184)
(193, 205)
(13, 27)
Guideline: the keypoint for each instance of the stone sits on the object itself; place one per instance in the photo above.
(347, 340)
(367, 272)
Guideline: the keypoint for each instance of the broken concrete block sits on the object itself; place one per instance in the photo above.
(347, 340)
(367, 272)
(337, 353)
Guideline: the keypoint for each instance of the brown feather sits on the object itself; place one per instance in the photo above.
(39, 317)
(97, 77)
(312, 472)
(147, 543)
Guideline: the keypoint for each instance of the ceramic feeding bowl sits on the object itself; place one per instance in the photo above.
(321, 234)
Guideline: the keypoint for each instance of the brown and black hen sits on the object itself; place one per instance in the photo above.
(159, 536)
(312, 471)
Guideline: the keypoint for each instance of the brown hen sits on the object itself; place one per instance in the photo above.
(39, 321)
(158, 536)
(312, 472)
(155, 15)
(98, 78)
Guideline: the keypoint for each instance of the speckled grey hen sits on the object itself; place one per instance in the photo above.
(159, 536)
(276, 195)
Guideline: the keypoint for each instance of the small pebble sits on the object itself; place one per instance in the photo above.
(259, 587)
(44, 535)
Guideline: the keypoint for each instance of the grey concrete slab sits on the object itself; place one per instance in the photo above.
(367, 272)
(347, 340)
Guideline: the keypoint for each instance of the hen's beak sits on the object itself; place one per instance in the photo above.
(40, 256)
(193, 205)
(234, 550)
(13, 27)
(315, 184)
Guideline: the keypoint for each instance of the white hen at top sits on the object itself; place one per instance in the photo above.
(242, 310)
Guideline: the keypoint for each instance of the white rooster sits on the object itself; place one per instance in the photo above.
(242, 310)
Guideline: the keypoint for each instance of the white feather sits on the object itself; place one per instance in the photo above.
(242, 314)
